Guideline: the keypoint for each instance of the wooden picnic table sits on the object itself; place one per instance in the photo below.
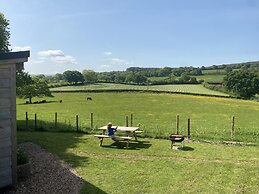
(130, 131)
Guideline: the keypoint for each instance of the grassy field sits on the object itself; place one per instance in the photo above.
(154, 113)
(152, 167)
(207, 77)
(178, 88)
(213, 71)
(211, 78)
(157, 78)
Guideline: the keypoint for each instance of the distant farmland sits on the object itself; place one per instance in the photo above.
(177, 88)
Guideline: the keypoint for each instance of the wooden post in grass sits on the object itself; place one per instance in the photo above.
(26, 120)
(35, 121)
(177, 124)
(127, 121)
(77, 129)
(131, 119)
(233, 126)
(189, 129)
(92, 121)
(56, 119)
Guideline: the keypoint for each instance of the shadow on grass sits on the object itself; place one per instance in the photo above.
(184, 148)
(40, 102)
(187, 148)
(89, 188)
(58, 143)
(133, 145)
(29, 125)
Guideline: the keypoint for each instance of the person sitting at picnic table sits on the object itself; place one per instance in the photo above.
(111, 130)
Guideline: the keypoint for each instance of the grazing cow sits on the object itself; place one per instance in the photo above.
(60, 101)
(89, 98)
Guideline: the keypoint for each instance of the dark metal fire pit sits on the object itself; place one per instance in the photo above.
(176, 138)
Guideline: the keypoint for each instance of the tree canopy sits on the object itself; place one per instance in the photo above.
(243, 83)
(73, 76)
(90, 76)
(4, 34)
(28, 87)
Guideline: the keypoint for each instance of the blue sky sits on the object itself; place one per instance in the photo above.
(107, 35)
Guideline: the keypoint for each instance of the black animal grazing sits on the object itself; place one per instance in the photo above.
(89, 98)
(60, 101)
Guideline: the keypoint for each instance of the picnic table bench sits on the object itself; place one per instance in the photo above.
(127, 138)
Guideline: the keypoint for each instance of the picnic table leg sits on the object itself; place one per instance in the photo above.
(101, 142)
(135, 136)
(127, 145)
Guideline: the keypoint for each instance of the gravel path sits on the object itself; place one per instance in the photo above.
(48, 174)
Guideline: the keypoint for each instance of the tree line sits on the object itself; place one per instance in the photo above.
(130, 76)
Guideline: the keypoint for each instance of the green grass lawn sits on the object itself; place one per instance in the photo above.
(157, 78)
(211, 78)
(176, 88)
(152, 167)
(213, 71)
(214, 78)
(155, 113)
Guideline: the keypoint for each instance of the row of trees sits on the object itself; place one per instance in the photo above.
(166, 71)
(89, 76)
(128, 77)
(242, 83)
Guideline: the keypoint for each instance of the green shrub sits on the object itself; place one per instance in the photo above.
(22, 157)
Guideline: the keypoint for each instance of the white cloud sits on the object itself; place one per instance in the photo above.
(56, 56)
(51, 53)
(117, 61)
(21, 48)
(64, 59)
(107, 53)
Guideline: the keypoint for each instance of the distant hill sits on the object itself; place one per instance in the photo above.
(222, 66)
(234, 65)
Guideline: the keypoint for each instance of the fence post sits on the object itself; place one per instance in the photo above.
(35, 122)
(177, 124)
(233, 126)
(189, 128)
(131, 119)
(127, 121)
(77, 129)
(56, 118)
(26, 120)
(92, 121)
